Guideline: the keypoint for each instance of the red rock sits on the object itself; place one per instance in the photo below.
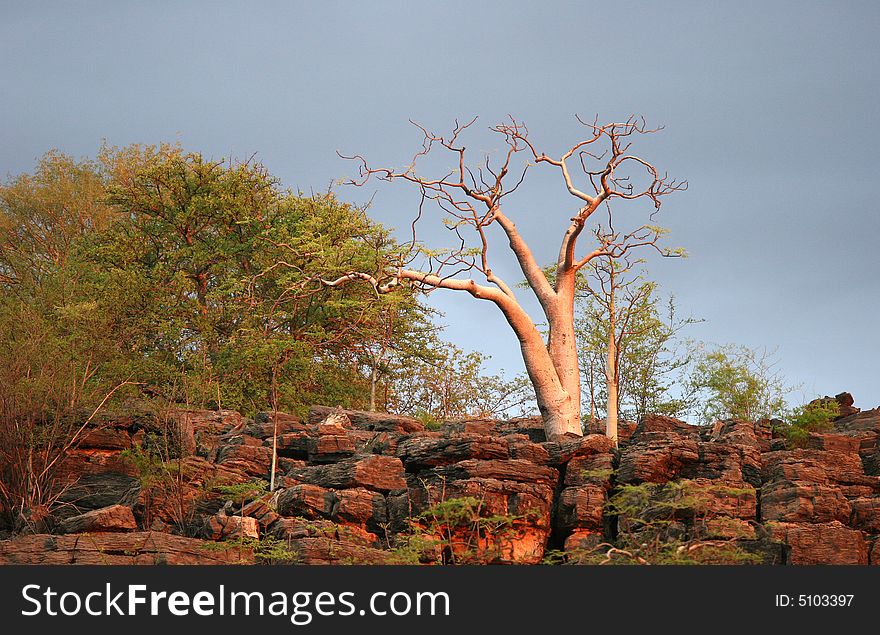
(503, 470)
(581, 507)
(716, 499)
(532, 427)
(420, 452)
(816, 466)
(625, 429)
(326, 551)
(583, 540)
(114, 518)
(380, 473)
(307, 501)
(519, 446)
(560, 452)
(866, 514)
(833, 441)
(373, 421)
(267, 425)
(829, 543)
(593, 469)
(744, 433)
(330, 445)
(359, 506)
(325, 542)
(652, 423)
(868, 420)
(480, 427)
(105, 438)
(94, 491)
(657, 461)
(297, 528)
(294, 445)
(726, 528)
(793, 501)
(223, 527)
(147, 547)
(262, 510)
(250, 459)
(496, 497)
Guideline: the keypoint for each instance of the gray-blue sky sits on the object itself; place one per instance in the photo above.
(769, 108)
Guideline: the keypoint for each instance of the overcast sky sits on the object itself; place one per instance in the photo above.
(770, 112)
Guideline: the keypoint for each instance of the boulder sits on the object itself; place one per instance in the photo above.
(651, 424)
(866, 515)
(797, 501)
(560, 452)
(658, 460)
(581, 507)
(517, 470)
(519, 446)
(223, 527)
(420, 452)
(826, 543)
(113, 518)
(96, 491)
(375, 472)
(372, 421)
(331, 444)
(248, 456)
(595, 469)
(306, 501)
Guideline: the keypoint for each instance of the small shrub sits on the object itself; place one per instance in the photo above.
(662, 524)
(815, 416)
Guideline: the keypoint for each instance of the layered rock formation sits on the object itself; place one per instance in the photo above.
(355, 487)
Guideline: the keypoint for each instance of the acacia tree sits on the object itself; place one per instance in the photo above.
(625, 344)
(472, 198)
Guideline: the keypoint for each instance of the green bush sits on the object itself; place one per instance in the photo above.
(815, 416)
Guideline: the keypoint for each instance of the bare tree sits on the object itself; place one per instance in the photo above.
(472, 196)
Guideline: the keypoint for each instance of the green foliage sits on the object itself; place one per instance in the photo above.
(668, 523)
(815, 416)
(649, 355)
(454, 531)
(448, 384)
(194, 277)
(243, 491)
(736, 382)
(165, 477)
(266, 549)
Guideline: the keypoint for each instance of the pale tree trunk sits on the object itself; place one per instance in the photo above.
(611, 371)
(274, 430)
(558, 403)
(613, 397)
(374, 377)
(562, 345)
(552, 367)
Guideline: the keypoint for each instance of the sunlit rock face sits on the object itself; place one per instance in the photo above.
(359, 487)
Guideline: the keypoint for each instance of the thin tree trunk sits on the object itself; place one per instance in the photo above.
(611, 371)
(274, 429)
(373, 379)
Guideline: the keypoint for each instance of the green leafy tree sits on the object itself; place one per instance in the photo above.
(736, 382)
(450, 384)
(208, 269)
(628, 349)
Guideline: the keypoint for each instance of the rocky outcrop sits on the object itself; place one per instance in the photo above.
(113, 518)
(116, 548)
(357, 487)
